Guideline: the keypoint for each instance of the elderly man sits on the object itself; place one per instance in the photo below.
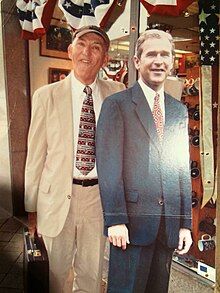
(143, 167)
(61, 186)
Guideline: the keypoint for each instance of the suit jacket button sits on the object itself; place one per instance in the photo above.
(160, 201)
(69, 196)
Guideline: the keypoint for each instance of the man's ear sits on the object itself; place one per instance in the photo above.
(106, 59)
(69, 51)
(136, 61)
(172, 65)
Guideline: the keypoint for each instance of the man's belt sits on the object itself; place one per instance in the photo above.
(85, 182)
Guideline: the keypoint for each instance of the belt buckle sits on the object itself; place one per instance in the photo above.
(84, 183)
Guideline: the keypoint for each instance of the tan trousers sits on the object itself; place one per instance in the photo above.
(80, 244)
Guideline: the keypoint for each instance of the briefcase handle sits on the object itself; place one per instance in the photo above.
(32, 244)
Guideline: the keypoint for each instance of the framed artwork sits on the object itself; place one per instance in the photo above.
(56, 41)
(56, 74)
(191, 60)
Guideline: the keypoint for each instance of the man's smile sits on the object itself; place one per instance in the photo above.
(158, 70)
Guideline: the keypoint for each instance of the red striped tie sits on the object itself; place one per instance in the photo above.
(158, 116)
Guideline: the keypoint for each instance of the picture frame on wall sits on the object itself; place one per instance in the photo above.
(56, 41)
(191, 60)
(56, 74)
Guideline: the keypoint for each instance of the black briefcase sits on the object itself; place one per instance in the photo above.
(36, 264)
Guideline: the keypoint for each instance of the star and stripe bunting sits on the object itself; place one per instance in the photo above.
(78, 14)
(35, 15)
(209, 31)
(166, 7)
(209, 60)
(90, 12)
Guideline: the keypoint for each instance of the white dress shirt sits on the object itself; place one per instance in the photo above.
(150, 95)
(77, 101)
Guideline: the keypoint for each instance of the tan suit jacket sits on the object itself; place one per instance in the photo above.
(49, 164)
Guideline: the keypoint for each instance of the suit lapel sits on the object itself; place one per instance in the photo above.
(63, 103)
(144, 114)
(102, 89)
(169, 116)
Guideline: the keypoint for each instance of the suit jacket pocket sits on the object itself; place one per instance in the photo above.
(44, 186)
(131, 195)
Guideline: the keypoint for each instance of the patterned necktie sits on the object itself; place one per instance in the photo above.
(85, 155)
(158, 116)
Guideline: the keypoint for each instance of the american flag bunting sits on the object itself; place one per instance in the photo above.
(209, 60)
(90, 12)
(166, 7)
(34, 17)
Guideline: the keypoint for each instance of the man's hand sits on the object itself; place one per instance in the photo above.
(32, 223)
(185, 241)
(118, 235)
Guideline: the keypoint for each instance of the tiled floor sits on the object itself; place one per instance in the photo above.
(11, 263)
(11, 255)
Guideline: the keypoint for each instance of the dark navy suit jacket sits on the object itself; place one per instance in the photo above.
(139, 177)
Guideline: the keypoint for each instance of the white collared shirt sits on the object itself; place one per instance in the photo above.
(150, 95)
(77, 101)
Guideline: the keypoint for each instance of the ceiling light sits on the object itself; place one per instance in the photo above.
(177, 51)
(180, 39)
(125, 43)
